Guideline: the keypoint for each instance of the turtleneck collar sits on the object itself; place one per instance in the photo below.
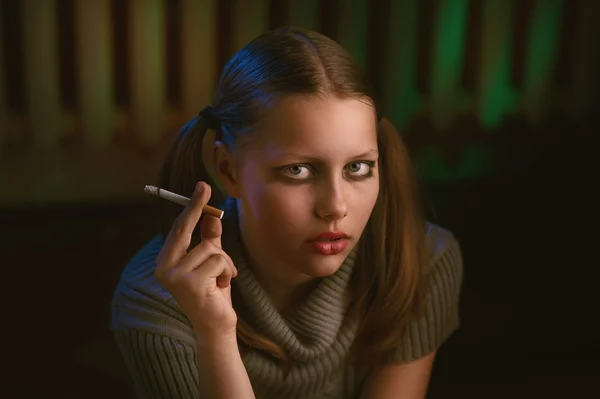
(309, 331)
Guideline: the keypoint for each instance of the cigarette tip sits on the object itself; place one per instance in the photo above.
(152, 190)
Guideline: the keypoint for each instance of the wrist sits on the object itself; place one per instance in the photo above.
(217, 341)
(221, 370)
(212, 333)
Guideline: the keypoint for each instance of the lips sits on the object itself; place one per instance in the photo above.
(329, 236)
(330, 243)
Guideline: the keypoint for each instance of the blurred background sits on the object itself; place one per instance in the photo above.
(498, 101)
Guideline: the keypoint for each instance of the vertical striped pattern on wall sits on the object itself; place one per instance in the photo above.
(144, 67)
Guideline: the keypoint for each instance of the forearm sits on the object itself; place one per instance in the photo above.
(221, 372)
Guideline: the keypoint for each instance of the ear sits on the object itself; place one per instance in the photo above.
(208, 154)
(225, 167)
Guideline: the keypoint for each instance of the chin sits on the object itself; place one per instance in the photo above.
(322, 266)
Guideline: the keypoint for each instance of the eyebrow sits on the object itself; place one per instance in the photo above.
(371, 152)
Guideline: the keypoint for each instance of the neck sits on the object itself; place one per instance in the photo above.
(285, 291)
(284, 288)
(285, 294)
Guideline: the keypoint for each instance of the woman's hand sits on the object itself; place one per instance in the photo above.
(200, 280)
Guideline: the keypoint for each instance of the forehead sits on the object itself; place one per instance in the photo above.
(318, 125)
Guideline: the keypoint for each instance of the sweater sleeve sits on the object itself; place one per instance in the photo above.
(441, 316)
(155, 339)
(159, 366)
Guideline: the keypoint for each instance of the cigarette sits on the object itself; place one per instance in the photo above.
(181, 200)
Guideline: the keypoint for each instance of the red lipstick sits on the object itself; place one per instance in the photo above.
(329, 243)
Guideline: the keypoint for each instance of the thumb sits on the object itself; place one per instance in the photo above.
(211, 230)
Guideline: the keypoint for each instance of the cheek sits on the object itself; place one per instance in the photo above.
(276, 209)
(285, 208)
(365, 200)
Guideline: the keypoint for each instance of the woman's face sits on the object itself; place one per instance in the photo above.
(308, 182)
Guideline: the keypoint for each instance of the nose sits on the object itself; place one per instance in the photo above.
(331, 202)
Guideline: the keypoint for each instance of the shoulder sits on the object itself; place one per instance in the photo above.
(140, 301)
(440, 317)
(440, 242)
(445, 272)
(445, 256)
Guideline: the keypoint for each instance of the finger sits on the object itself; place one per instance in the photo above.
(211, 229)
(192, 261)
(216, 267)
(198, 255)
(191, 214)
(201, 253)
(179, 238)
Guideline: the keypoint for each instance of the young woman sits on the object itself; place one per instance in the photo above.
(323, 280)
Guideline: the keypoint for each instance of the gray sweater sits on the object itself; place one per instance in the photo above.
(158, 344)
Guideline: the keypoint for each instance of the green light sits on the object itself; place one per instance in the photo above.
(495, 95)
(447, 59)
(541, 55)
(402, 100)
(353, 29)
(431, 166)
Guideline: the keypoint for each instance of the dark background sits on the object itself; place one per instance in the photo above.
(527, 228)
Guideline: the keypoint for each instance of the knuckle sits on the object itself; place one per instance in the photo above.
(171, 277)
(212, 229)
(177, 222)
(178, 228)
(220, 259)
(206, 190)
(203, 246)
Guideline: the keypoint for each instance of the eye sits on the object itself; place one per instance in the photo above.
(297, 171)
(359, 169)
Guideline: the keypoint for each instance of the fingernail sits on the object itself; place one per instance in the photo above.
(199, 187)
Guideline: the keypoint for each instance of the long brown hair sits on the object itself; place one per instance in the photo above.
(388, 282)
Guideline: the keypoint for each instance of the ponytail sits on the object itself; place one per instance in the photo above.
(183, 168)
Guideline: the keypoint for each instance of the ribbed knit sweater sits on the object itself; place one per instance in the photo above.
(159, 347)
